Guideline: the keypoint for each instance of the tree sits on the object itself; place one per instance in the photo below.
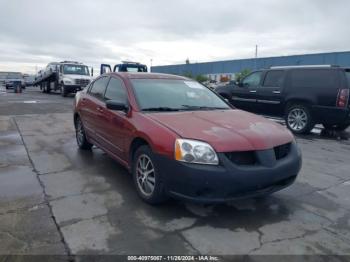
(201, 78)
(239, 76)
(188, 74)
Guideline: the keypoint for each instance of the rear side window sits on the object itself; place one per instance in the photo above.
(347, 73)
(313, 78)
(116, 91)
(274, 78)
(98, 88)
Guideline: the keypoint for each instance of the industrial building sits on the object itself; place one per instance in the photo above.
(219, 69)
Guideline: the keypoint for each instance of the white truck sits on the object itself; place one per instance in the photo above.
(66, 77)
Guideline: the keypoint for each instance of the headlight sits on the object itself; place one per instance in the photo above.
(67, 81)
(192, 151)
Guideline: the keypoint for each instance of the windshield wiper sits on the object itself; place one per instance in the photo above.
(163, 109)
(203, 107)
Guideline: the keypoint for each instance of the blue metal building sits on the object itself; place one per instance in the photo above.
(234, 66)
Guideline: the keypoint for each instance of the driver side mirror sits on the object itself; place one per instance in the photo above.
(117, 106)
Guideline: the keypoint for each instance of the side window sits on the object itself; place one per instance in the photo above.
(274, 78)
(253, 80)
(313, 78)
(116, 91)
(98, 87)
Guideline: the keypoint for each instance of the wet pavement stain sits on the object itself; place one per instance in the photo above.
(91, 207)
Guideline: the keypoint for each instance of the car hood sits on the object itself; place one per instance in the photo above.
(226, 130)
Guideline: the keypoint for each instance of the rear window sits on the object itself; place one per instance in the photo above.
(132, 68)
(313, 78)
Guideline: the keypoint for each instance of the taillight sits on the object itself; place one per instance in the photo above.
(343, 98)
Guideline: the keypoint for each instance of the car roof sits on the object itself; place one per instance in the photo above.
(139, 75)
(305, 67)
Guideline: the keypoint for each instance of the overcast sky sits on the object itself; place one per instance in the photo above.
(35, 32)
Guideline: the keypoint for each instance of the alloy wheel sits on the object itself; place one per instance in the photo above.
(80, 132)
(297, 119)
(145, 175)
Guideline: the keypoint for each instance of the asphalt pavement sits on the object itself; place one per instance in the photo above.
(56, 199)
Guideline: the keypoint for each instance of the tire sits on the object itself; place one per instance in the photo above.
(63, 91)
(339, 127)
(298, 119)
(143, 163)
(48, 88)
(81, 136)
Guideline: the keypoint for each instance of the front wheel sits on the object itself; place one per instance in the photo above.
(81, 136)
(298, 119)
(147, 177)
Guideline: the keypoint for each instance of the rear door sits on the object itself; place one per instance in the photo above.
(245, 95)
(269, 95)
(94, 107)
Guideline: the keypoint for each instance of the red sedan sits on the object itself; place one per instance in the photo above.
(180, 139)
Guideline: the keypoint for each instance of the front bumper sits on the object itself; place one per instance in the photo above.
(228, 181)
(74, 88)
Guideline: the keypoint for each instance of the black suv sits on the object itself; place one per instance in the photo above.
(303, 95)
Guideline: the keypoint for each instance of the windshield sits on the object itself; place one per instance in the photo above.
(173, 95)
(14, 76)
(75, 70)
(132, 68)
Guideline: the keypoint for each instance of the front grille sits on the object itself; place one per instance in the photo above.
(242, 158)
(282, 151)
(82, 82)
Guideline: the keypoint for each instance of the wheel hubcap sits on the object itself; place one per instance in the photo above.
(145, 175)
(80, 133)
(297, 119)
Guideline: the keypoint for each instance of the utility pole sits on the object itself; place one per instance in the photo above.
(150, 70)
(256, 56)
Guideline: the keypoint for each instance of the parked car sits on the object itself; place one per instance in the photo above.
(28, 80)
(3, 76)
(304, 95)
(14, 78)
(180, 139)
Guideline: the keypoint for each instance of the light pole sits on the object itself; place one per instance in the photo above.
(256, 56)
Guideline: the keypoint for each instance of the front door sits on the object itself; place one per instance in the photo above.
(105, 68)
(114, 124)
(245, 95)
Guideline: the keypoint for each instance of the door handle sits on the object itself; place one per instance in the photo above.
(252, 91)
(276, 92)
(99, 109)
